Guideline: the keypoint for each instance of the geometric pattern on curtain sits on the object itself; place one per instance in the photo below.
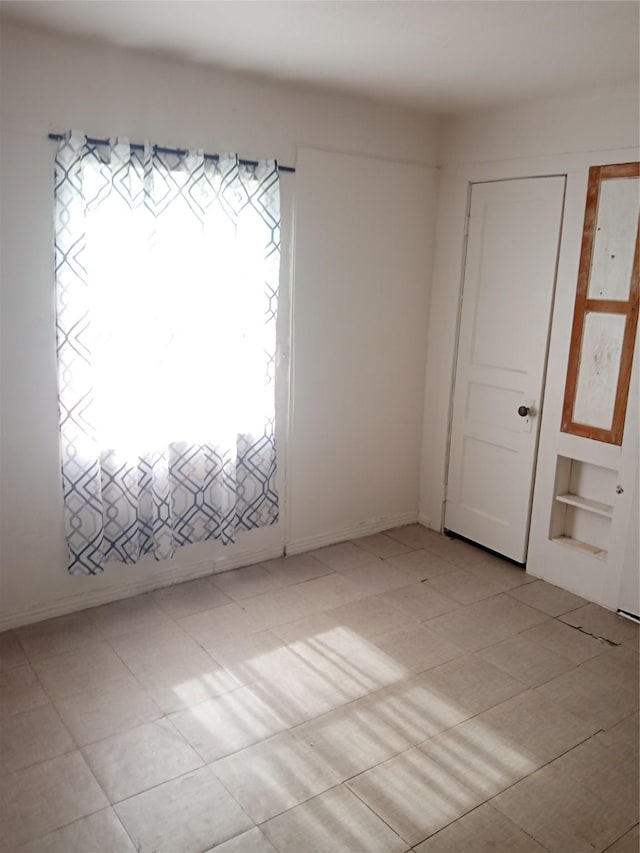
(167, 271)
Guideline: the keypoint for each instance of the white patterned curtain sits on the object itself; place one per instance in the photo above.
(167, 270)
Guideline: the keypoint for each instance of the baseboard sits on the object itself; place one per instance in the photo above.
(310, 543)
(425, 521)
(192, 571)
(163, 578)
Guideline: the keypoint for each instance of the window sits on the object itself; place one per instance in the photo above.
(167, 269)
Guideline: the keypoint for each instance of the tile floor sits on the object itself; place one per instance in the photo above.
(398, 692)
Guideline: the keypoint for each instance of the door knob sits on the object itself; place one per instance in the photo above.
(523, 411)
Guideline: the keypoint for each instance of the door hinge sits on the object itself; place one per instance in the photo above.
(466, 225)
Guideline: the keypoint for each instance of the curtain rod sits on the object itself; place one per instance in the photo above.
(137, 146)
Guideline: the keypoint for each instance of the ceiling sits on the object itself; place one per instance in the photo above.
(443, 55)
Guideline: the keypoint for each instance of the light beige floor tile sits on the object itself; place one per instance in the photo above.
(306, 688)
(508, 614)
(473, 683)
(422, 565)
(301, 691)
(565, 640)
(20, 690)
(342, 556)
(494, 570)
(146, 648)
(184, 599)
(355, 664)
(371, 616)
(177, 683)
(604, 623)
(297, 568)
(376, 577)
(421, 601)
(101, 832)
(56, 636)
(117, 707)
(129, 614)
(458, 552)
(416, 536)
(273, 776)
(252, 841)
(550, 599)
(414, 795)
(473, 558)
(381, 545)
(189, 814)
(530, 662)
(483, 829)
(11, 653)
(227, 724)
(602, 700)
(624, 735)
(130, 762)
(221, 625)
(417, 649)
(417, 709)
(83, 669)
(279, 607)
(628, 843)
(617, 662)
(608, 772)
(31, 737)
(481, 757)
(543, 727)
(246, 582)
(464, 587)
(330, 591)
(45, 797)
(253, 657)
(173, 668)
(560, 817)
(334, 821)
(352, 663)
(354, 738)
(373, 729)
(304, 630)
(487, 622)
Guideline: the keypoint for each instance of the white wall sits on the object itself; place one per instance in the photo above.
(52, 83)
(554, 137)
(360, 307)
(595, 121)
(629, 597)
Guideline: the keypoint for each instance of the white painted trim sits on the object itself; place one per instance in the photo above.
(285, 347)
(310, 543)
(167, 577)
(425, 521)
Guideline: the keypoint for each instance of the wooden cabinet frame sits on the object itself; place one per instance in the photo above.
(585, 305)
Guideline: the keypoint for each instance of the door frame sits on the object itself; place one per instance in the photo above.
(540, 404)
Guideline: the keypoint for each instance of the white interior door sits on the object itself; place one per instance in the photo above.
(511, 258)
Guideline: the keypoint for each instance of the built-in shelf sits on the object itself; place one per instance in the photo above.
(586, 503)
(581, 514)
(585, 547)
